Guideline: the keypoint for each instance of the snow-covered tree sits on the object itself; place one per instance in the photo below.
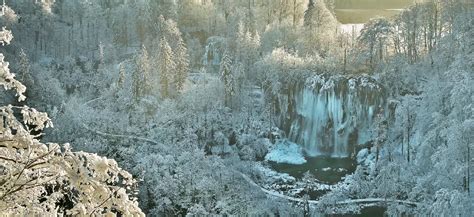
(180, 56)
(166, 68)
(379, 133)
(39, 179)
(90, 70)
(320, 28)
(25, 68)
(182, 65)
(227, 77)
(7, 79)
(317, 17)
(248, 48)
(43, 178)
(142, 78)
(373, 37)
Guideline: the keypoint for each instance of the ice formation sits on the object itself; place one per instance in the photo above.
(328, 115)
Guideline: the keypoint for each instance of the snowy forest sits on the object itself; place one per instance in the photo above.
(237, 108)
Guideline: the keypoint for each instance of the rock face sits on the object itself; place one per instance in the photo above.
(329, 115)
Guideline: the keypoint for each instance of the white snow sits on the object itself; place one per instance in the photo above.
(366, 158)
(274, 177)
(286, 152)
(362, 155)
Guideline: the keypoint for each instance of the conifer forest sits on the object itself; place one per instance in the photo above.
(334, 108)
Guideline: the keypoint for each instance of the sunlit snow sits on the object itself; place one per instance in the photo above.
(286, 152)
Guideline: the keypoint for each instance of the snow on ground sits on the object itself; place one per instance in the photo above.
(286, 152)
(366, 158)
(362, 155)
(272, 176)
(277, 183)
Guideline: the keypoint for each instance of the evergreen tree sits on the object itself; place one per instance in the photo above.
(169, 30)
(121, 79)
(239, 76)
(308, 15)
(166, 67)
(227, 77)
(248, 49)
(141, 77)
(320, 26)
(182, 65)
(24, 69)
(318, 17)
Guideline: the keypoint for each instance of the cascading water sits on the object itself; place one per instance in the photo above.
(331, 114)
(214, 51)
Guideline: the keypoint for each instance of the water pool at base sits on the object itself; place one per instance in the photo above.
(326, 169)
(374, 211)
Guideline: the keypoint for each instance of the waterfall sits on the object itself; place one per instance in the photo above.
(213, 53)
(331, 114)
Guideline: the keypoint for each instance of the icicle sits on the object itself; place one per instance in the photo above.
(331, 111)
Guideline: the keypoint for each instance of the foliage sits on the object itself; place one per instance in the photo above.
(38, 178)
(375, 33)
(126, 79)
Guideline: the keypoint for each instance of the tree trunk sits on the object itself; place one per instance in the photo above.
(377, 152)
(468, 181)
(294, 12)
(415, 29)
(408, 134)
(372, 55)
(345, 59)
(380, 51)
(435, 26)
